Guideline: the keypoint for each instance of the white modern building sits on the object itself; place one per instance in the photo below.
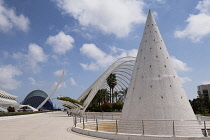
(204, 89)
(123, 69)
(7, 100)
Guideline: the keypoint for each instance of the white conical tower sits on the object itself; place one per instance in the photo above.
(155, 91)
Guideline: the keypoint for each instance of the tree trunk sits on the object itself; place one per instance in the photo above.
(116, 98)
(105, 98)
(110, 94)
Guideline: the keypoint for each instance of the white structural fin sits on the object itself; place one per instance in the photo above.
(7, 100)
(155, 91)
(125, 63)
(40, 106)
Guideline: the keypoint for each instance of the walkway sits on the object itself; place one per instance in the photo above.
(44, 126)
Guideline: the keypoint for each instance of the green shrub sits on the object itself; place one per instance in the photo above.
(19, 113)
(11, 109)
(117, 106)
(107, 107)
(69, 100)
(68, 106)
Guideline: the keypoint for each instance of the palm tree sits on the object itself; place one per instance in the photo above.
(104, 95)
(122, 95)
(112, 82)
(116, 95)
(96, 102)
(101, 97)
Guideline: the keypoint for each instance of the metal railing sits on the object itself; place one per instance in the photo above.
(102, 115)
(173, 128)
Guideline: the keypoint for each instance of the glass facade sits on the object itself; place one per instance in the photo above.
(35, 98)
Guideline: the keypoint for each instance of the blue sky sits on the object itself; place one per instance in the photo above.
(40, 38)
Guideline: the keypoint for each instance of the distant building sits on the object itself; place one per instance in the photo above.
(35, 98)
(204, 89)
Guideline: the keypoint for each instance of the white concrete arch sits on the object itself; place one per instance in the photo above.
(119, 85)
(124, 65)
(123, 77)
(7, 100)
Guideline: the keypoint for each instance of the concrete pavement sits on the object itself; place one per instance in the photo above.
(43, 126)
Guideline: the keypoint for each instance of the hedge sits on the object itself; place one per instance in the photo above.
(19, 113)
(70, 100)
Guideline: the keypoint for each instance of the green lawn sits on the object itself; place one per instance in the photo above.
(20, 113)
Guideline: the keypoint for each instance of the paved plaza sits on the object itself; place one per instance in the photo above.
(43, 126)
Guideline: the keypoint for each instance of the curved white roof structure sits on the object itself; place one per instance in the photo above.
(7, 100)
(4, 94)
(123, 68)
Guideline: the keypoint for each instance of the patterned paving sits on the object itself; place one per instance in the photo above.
(46, 126)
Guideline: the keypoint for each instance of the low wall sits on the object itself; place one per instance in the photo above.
(124, 136)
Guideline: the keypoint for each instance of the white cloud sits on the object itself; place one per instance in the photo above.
(160, 1)
(9, 20)
(155, 14)
(114, 49)
(7, 77)
(61, 43)
(4, 56)
(92, 66)
(102, 59)
(61, 85)
(90, 50)
(204, 6)
(179, 65)
(34, 82)
(58, 72)
(72, 81)
(185, 79)
(111, 17)
(33, 58)
(82, 31)
(197, 25)
(36, 53)
(196, 29)
(132, 52)
(206, 82)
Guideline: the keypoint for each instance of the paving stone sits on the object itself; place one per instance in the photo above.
(43, 126)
